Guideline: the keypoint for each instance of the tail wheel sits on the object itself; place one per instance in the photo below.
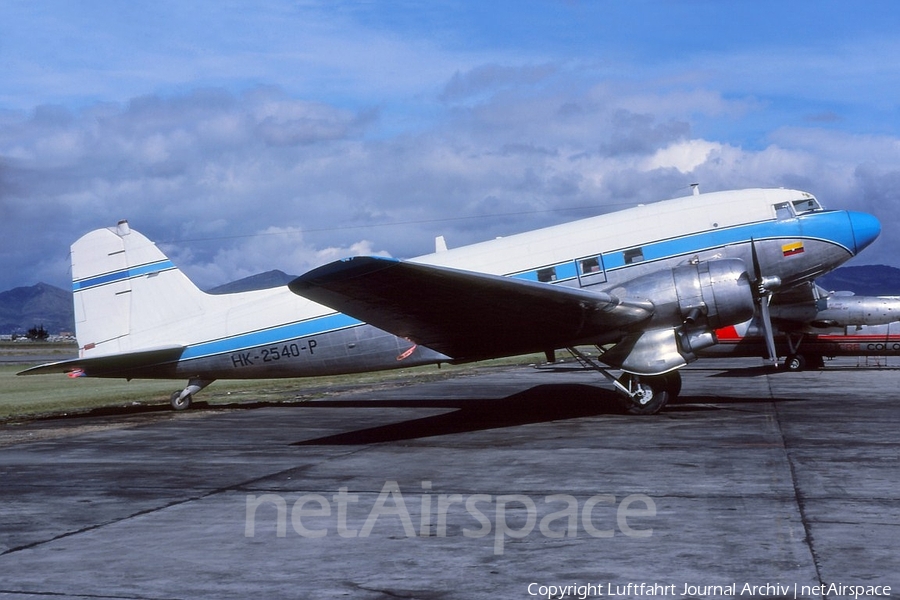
(648, 394)
(180, 402)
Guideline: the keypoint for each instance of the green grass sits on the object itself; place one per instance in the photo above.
(41, 395)
(44, 394)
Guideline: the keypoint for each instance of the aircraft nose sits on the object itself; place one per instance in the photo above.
(865, 229)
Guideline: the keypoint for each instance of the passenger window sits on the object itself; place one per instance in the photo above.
(634, 255)
(547, 275)
(590, 271)
(784, 211)
(590, 265)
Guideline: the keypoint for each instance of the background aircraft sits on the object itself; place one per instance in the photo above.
(827, 324)
(649, 285)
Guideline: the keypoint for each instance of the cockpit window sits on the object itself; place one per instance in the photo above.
(806, 205)
(784, 210)
(789, 210)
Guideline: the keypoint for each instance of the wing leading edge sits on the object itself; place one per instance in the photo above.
(463, 314)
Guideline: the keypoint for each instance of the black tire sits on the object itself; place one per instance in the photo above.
(653, 398)
(179, 403)
(795, 362)
(672, 384)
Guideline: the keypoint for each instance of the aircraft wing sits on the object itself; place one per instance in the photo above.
(145, 363)
(463, 314)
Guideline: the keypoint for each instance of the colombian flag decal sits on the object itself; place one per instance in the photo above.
(792, 249)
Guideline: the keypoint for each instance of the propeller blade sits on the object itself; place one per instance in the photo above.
(757, 271)
(767, 328)
(763, 297)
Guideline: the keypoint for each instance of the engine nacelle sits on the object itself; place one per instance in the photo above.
(839, 311)
(847, 311)
(697, 297)
(689, 303)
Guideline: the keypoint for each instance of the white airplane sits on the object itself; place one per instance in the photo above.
(648, 286)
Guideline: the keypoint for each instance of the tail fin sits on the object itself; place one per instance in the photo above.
(125, 291)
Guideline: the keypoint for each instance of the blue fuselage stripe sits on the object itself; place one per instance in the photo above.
(829, 226)
(272, 336)
(123, 275)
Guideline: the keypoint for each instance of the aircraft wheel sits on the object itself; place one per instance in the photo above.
(650, 394)
(795, 362)
(672, 383)
(179, 403)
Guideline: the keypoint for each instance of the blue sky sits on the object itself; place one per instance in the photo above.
(246, 136)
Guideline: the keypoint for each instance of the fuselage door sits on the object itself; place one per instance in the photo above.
(590, 270)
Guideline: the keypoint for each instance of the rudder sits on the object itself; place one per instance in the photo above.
(125, 291)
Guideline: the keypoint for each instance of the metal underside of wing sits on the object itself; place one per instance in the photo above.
(467, 315)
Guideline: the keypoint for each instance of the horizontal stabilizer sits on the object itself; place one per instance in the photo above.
(463, 314)
(157, 362)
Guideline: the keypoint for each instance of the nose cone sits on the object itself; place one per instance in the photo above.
(865, 229)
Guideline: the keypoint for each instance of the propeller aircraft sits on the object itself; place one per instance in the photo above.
(816, 324)
(648, 286)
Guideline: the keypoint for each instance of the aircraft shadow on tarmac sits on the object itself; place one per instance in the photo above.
(540, 404)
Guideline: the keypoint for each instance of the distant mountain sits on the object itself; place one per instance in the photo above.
(42, 304)
(25, 307)
(262, 281)
(865, 280)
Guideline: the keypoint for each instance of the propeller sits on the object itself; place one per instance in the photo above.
(763, 296)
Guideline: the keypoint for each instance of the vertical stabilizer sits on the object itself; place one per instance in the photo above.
(128, 295)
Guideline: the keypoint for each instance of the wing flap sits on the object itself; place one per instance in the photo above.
(156, 362)
(463, 314)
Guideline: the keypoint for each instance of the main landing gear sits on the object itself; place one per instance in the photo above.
(647, 395)
(795, 361)
(181, 400)
(642, 394)
(802, 362)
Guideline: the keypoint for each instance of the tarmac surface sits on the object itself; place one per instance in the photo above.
(498, 485)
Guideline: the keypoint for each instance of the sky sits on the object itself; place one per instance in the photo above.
(245, 136)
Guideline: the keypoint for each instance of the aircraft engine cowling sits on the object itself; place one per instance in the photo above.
(696, 297)
(689, 303)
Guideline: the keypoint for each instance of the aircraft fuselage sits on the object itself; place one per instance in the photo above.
(601, 253)
(134, 305)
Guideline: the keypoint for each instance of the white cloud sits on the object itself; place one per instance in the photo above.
(685, 156)
(282, 248)
(235, 184)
